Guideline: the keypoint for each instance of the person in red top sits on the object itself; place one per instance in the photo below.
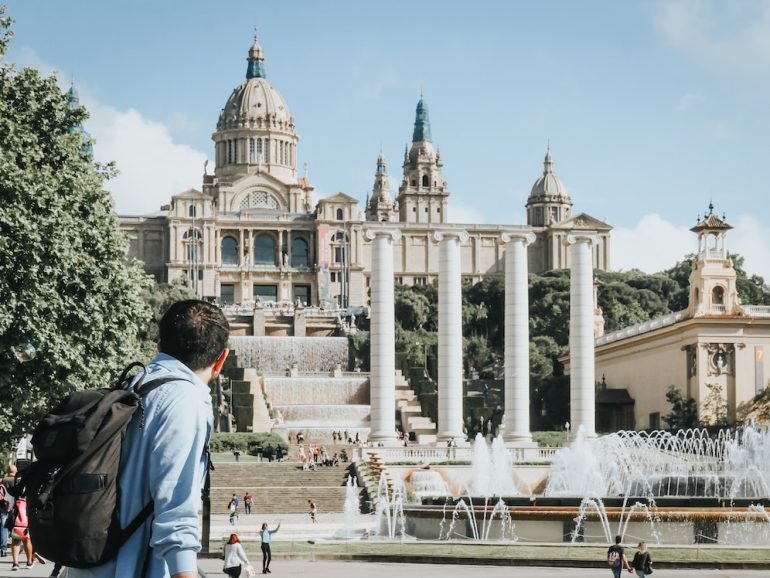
(248, 502)
(20, 534)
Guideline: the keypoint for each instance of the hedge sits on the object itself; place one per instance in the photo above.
(228, 441)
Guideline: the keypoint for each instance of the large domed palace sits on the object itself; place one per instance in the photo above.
(254, 234)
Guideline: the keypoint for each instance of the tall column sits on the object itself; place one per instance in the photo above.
(450, 336)
(382, 337)
(581, 333)
(517, 430)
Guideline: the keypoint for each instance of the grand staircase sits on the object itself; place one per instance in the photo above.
(409, 411)
(279, 487)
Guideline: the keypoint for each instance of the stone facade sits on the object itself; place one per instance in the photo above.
(252, 232)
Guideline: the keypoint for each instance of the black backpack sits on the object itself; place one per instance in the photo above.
(72, 489)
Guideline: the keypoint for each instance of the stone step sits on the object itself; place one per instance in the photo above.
(426, 439)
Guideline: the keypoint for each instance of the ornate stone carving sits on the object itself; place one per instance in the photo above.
(721, 358)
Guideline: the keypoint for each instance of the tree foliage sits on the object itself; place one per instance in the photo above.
(65, 285)
(684, 412)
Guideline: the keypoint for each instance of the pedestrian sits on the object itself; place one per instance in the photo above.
(616, 558)
(267, 536)
(642, 561)
(6, 507)
(20, 534)
(235, 557)
(232, 509)
(164, 459)
(313, 511)
(248, 502)
(237, 454)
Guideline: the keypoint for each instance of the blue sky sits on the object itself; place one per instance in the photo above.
(652, 108)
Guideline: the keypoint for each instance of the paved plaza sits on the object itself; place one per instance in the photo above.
(213, 569)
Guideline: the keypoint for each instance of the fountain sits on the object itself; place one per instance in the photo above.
(389, 510)
(662, 487)
(351, 510)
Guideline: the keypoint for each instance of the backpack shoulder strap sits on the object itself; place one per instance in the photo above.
(145, 388)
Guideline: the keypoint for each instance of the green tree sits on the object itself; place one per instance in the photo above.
(65, 285)
(684, 412)
(159, 297)
(412, 309)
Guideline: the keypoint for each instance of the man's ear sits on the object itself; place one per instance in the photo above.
(220, 361)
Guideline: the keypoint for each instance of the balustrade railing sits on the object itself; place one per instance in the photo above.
(433, 454)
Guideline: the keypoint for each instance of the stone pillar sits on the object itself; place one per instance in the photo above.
(581, 333)
(517, 404)
(382, 337)
(450, 336)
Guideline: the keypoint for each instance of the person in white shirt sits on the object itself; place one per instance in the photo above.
(235, 557)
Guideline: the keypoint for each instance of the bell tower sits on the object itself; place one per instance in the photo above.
(713, 291)
(422, 196)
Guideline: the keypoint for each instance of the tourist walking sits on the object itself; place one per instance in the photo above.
(642, 561)
(20, 534)
(235, 558)
(163, 456)
(313, 511)
(267, 536)
(248, 502)
(616, 558)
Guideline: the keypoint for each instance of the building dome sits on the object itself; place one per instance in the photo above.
(255, 103)
(549, 186)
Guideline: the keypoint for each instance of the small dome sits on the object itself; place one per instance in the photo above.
(255, 103)
(549, 185)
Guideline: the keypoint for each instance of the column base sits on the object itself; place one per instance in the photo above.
(386, 441)
(443, 438)
(520, 441)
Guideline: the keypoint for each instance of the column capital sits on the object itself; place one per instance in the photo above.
(577, 237)
(372, 233)
(458, 234)
(527, 237)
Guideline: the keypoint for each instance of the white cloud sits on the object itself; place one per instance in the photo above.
(729, 36)
(652, 245)
(152, 166)
(689, 100)
(655, 244)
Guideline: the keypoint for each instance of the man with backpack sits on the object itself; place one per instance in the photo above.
(616, 558)
(164, 456)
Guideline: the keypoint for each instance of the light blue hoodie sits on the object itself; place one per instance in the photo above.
(163, 460)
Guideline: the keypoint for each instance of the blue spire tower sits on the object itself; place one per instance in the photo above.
(421, 123)
(73, 101)
(422, 196)
(256, 59)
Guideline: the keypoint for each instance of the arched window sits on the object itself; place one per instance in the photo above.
(252, 153)
(414, 182)
(264, 250)
(300, 256)
(191, 211)
(260, 154)
(340, 215)
(718, 296)
(425, 181)
(192, 240)
(229, 251)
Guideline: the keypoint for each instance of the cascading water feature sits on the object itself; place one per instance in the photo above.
(278, 354)
(427, 482)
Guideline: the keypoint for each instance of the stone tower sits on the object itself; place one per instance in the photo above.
(713, 290)
(422, 196)
(549, 202)
(380, 207)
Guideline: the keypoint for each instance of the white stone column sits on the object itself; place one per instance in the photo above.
(581, 333)
(450, 336)
(517, 431)
(382, 337)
